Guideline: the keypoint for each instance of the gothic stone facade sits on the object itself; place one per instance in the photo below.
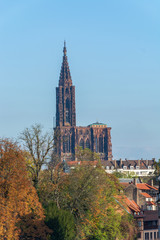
(96, 136)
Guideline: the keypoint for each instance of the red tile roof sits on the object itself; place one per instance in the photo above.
(146, 195)
(151, 203)
(142, 186)
(152, 187)
(132, 205)
(145, 186)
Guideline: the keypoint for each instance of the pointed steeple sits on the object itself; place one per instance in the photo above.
(65, 76)
(64, 48)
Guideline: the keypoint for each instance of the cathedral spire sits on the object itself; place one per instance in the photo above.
(64, 49)
(65, 76)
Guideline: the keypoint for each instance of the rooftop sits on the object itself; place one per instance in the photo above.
(97, 124)
(146, 195)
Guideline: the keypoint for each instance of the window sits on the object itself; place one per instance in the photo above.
(67, 110)
(146, 236)
(149, 208)
(80, 132)
(87, 143)
(151, 236)
(66, 144)
(87, 132)
(154, 223)
(139, 235)
(154, 235)
(124, 167)
(67, 91)
(131, 167)
(107, 167)
(81, 144)
(101, 144)
(139, 223)
(67, 116)
(137, 167)
(96, 145)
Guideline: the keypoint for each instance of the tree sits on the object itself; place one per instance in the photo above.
(107, 221)
(89, 194)
(86, 154)
(124, 175)
(157, 168)
(61, 222)
(39, 146)
(22, 215)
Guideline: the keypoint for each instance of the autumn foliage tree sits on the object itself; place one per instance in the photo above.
(22, 215)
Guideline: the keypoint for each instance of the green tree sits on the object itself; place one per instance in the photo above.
(61, 222)
(89, 194)
(157, 168)
(86, 154)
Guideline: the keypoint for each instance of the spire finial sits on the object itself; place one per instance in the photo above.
(64, 49)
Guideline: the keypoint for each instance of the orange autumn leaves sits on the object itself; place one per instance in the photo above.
(21, 214)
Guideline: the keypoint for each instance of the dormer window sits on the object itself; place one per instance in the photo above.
(107, 167)
(124, 167)
(149, 167)
(112, 167)
(131, 167)
(137, 167)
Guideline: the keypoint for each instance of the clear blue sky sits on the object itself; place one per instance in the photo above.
(114, 56)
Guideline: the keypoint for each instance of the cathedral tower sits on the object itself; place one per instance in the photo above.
(65, 96)
(65, 112)
(96, 136)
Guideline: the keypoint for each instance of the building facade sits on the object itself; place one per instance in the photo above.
(141, 199)
(96, 136)
(138, 167)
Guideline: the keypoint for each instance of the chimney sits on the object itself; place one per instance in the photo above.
(115, 163)
(135, 181)
(152, 182)
(139, 162)
(146, 162)
(136, 195)
(120, 162)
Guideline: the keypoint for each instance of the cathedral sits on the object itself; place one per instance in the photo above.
(96, 136)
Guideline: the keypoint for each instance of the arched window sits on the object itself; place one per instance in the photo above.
(101, 144)
(87, 143)
(67, 91)
(66, 144)
(67, 110)
(96, 144)
(81, 144)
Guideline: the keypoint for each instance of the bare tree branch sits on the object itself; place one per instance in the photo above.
(39, 146)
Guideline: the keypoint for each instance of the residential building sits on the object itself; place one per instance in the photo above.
(141, 199)
(138, 167)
